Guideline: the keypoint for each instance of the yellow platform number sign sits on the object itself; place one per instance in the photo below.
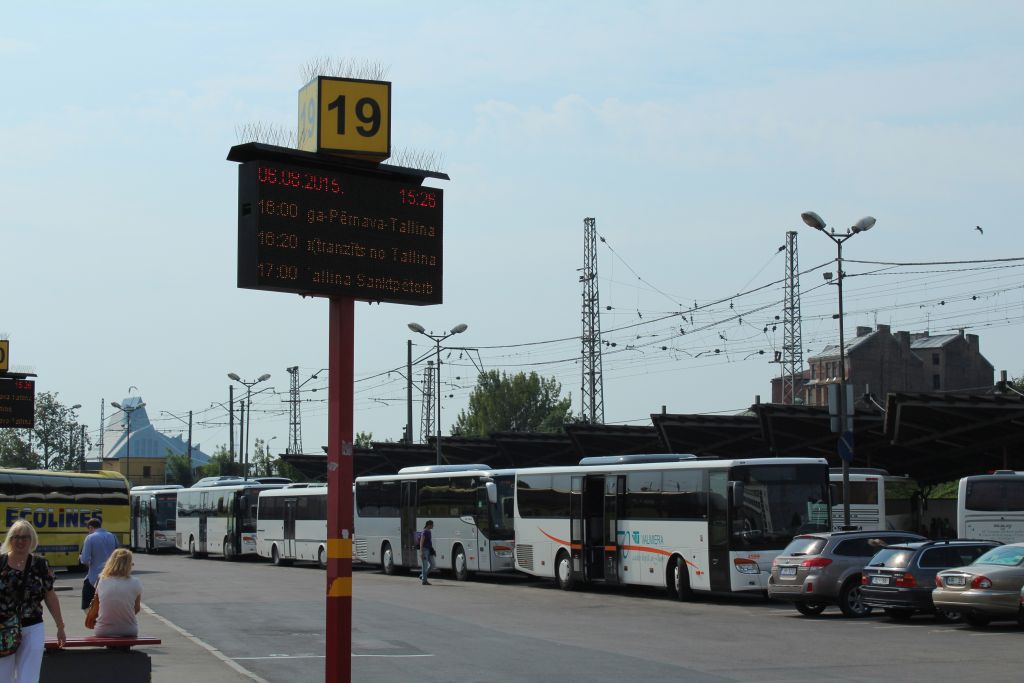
(5, 350)
(346, 116)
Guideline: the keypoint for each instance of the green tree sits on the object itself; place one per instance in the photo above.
(262, 461)
(221, 464)
(363, 439)
(520, 402)
(53, 433)
(15, 451)
(179, 469)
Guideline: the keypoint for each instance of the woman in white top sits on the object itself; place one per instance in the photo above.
(120, 596)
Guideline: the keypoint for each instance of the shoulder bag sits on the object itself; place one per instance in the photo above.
(94, 611)
(10, 627)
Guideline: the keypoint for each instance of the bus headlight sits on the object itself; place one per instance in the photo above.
(746, 566)
(502, 551)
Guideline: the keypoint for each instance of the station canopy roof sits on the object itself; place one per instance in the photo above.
(931, 438)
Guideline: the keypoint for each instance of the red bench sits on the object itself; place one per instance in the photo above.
(97, 641)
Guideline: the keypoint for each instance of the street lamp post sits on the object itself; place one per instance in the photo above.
(438, 338)
(248, 413)
(128, 437)
(863, 225)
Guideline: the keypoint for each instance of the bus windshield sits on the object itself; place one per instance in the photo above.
(778, 503)
(166, 508)
(995, 495)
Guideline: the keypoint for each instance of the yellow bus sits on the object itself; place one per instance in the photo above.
(58, 505)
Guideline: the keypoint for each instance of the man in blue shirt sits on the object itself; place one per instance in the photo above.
(99, 544)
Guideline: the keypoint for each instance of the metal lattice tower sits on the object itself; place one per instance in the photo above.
(792, 345)
(593, 381)
(295, 412)
(427, 408)
(103, 428)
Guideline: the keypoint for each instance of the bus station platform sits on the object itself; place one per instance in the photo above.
(178, 657)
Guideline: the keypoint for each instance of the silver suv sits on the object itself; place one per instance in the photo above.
(821, 569)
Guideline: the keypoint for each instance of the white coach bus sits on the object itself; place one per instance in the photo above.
(879, 501)
(471, 506)
(153, 516)
(291, 524)
(218, 519)
(991, 506)
(689, 524)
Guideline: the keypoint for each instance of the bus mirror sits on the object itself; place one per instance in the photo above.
(467, 519)
(492, 492)
(736, 487)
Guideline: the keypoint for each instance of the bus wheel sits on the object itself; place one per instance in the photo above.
(563, 571)
(192, 548)
(229, 551)
(321, 558)
(275, 556)
(679, 576)
(387, 559)
(459, 564)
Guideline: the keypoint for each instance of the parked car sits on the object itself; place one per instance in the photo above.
(900, 579)
(986, 590)
(821, 569)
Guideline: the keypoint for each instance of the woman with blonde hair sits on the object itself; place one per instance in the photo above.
(120, 596)
(26, 582)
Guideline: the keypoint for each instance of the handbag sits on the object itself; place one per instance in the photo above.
(94, 611)
(10, 628)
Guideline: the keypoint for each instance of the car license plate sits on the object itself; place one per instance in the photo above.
(787, 571)
(954, 580)
(879, 580)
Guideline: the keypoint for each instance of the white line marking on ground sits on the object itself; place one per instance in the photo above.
(394, 656)
(214, 651)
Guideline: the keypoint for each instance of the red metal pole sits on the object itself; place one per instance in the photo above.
(340, 410)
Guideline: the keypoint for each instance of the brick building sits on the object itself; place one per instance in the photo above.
(881, 362)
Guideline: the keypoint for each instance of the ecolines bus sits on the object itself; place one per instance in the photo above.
(59, 504)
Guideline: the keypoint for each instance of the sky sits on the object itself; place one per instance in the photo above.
(695, 133)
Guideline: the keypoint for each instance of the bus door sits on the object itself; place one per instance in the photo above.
(718, 531)
(289, 527)
(410, 553)
(594, 526)
(134, 519)
(204, 512)
(614, 494)
(577, 537)
(144, 537)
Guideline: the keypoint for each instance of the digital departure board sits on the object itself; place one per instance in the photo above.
(327, 232)
(17, 403)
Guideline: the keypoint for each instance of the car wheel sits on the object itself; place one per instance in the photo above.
(975, 619)
(387, 559)
(851, 600)
(321, 558)
(459, 564)
(948, 616)
(899, 614)
(810, 609)
(563, 572)
(679, 580)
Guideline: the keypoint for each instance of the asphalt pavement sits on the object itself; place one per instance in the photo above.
(180, 657)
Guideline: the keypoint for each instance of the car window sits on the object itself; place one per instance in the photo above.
(1006, 556)
(805, 545)
(970, 553)
(856, 547)
(892, 558)
(944, 556)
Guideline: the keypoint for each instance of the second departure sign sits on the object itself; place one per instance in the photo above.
(322, 232)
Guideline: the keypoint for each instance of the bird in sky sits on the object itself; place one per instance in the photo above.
(978, 228)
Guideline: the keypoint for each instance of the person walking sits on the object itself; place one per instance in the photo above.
(98, 546)
(426, 551)
(26, 582)
(120, 596)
